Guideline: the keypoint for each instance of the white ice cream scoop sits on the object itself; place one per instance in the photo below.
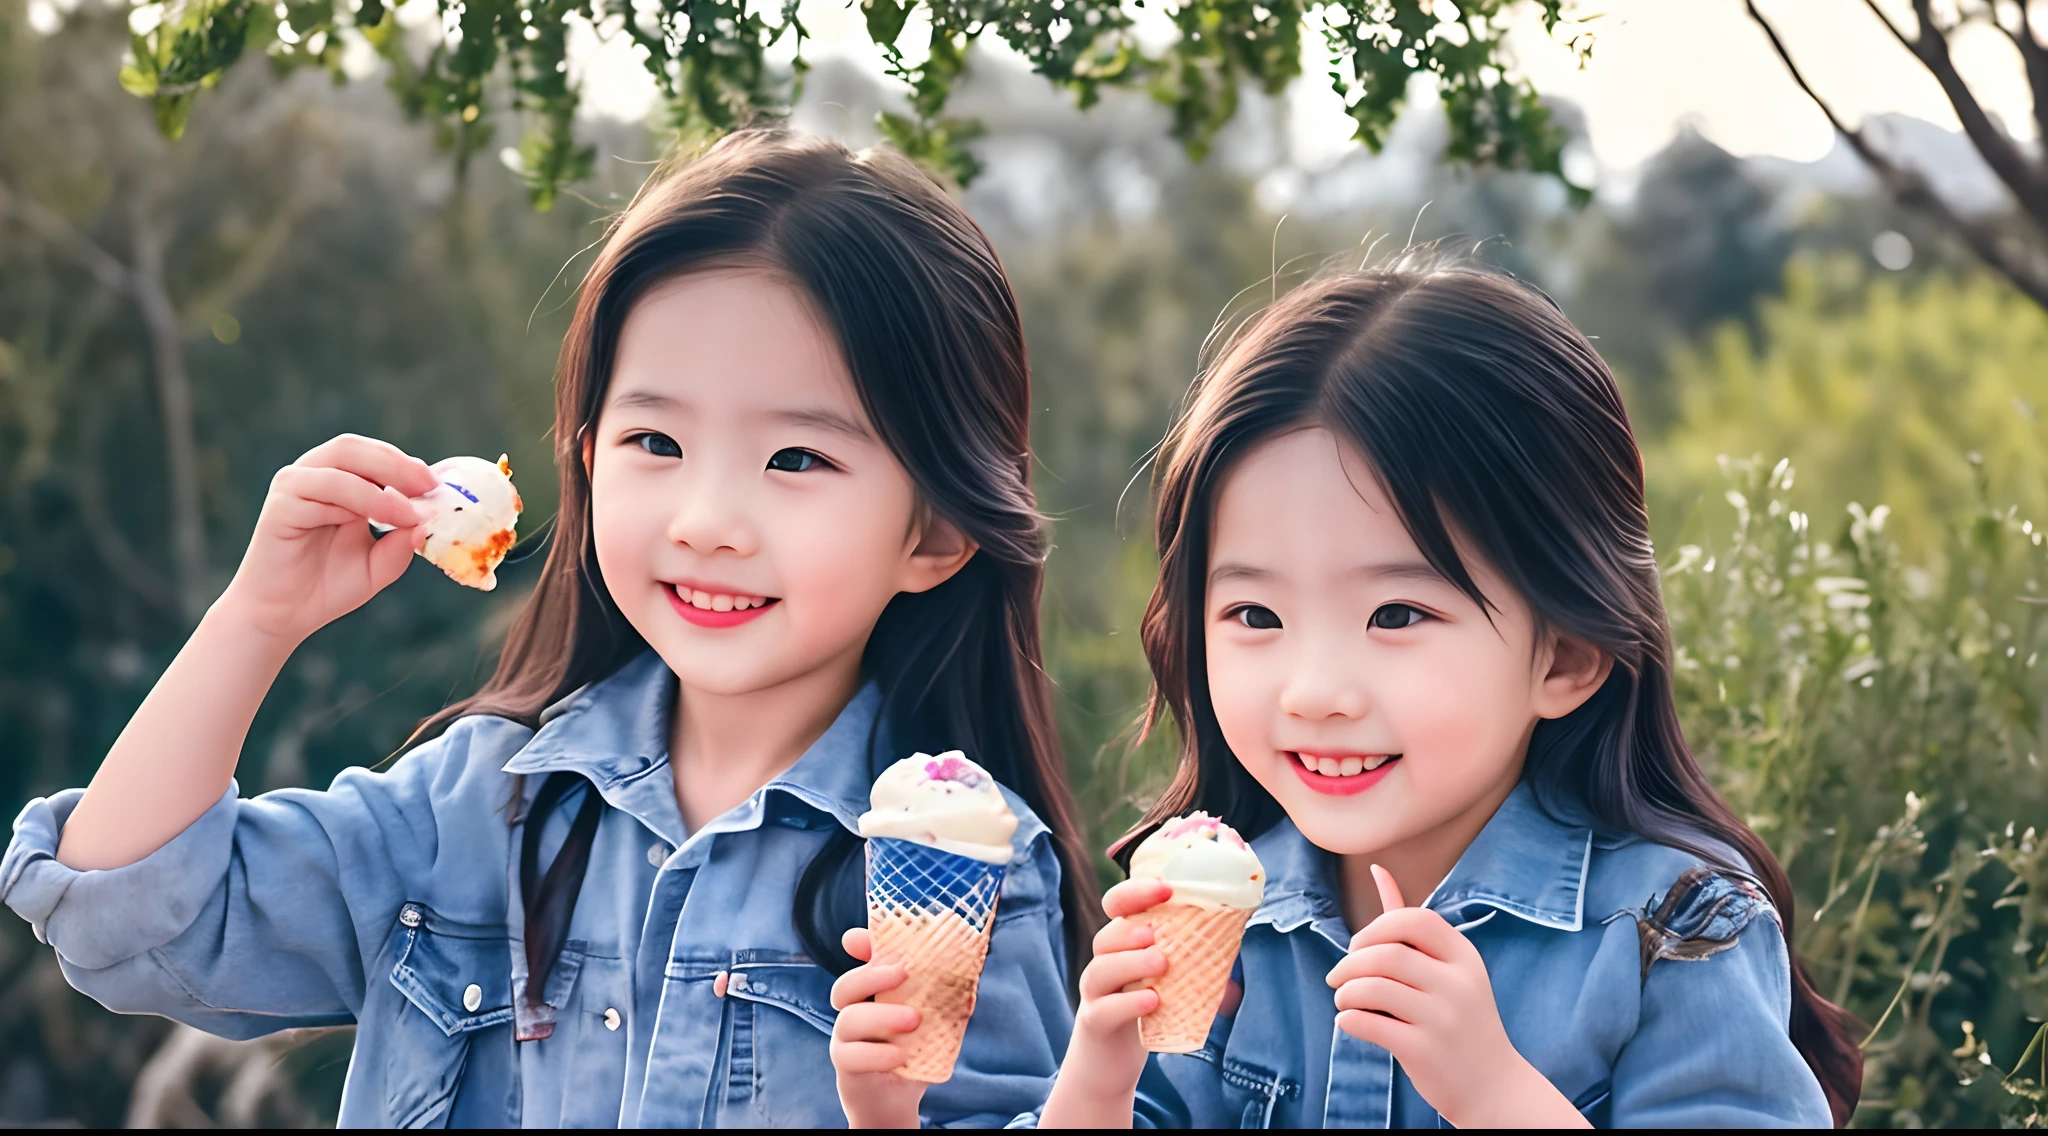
(946, 802)
(1207, 863)
(471, 519)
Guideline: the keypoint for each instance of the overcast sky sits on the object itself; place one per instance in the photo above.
(1656, 64)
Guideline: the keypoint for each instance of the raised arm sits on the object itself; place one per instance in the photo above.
(312, 560)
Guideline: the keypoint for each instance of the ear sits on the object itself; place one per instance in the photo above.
(1568, 674)
(940, 551)
(588, 444)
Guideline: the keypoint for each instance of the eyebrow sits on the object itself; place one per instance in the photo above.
(819, 417)
(1393, 570)
(643, 400)
(823, 419)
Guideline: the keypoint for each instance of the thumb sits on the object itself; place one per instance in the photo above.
(1390, 892)
(389, 557)
(857, 944)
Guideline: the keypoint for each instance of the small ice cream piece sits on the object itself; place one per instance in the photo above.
(472, 517)
(945, 802)
(1217, 880)
(1207, 863)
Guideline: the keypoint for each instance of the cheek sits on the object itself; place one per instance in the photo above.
(1244, 690)
(838, 555)
(1461, 702)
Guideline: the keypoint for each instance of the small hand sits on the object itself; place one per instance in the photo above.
(1416, 987)
(864, 1050)
(1098, 1079)
(312, 559)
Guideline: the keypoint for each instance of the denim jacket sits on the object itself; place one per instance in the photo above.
(1649, 990)
(391, 901)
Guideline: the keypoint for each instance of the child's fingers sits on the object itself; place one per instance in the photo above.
(867, 1057)
(864, 982)
(1397, 961)
(875, 1021)
(1385, 996)
(1133, 896)
(1108, 974)
(374, 459)
(1390, 892)
(1419, 927)
(857, 943)
(391, 556)
(1390, 1034)
(328, 486)
(1123, 935)
(1119, 1009)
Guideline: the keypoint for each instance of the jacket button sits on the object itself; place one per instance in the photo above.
(611, 1019)
(409, 915)
(739, 982)
(472, 997)
(657, 853)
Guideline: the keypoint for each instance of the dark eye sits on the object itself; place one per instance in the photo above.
(1257, 618)
(1395, 616)
(793, 460)
(660, 445)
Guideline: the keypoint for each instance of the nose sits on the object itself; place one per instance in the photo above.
(713, 513)
(1323, 682)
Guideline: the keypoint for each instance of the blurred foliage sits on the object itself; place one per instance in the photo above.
(715, 63)
(308, 265)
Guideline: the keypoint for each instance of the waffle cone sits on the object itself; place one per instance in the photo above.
(1200, 943)
(942, 953)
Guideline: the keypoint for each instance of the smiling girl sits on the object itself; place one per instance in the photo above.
(796, 541)
(1408, 623)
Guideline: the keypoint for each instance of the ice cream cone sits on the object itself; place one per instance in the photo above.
(931, 912)
(1200, 943)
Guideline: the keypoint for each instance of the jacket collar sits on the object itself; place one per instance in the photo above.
(1524, 862)
(614, 732)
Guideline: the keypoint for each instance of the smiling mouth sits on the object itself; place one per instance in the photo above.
(716, 609)
(1342, 776)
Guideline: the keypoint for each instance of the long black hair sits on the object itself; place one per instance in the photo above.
(918, 303)
(1480, 409)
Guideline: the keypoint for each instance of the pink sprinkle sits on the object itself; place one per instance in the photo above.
(1204, 826)
(952, 769)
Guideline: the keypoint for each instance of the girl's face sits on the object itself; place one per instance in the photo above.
(1372, 698)
(749, 521)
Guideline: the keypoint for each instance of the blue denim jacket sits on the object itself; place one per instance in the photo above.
(390, 901)
(1647, 995)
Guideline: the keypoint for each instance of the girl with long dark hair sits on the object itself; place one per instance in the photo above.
(1409, 626)
(796, 541)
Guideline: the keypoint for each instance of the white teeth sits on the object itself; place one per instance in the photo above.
(718, 601)
(1343, 767)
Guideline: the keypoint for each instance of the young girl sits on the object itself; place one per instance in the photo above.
(1408, 623)
(796, 541)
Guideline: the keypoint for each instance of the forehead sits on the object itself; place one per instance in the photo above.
(1305, 498)
(733, 338)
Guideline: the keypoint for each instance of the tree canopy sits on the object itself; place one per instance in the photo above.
(715, 64)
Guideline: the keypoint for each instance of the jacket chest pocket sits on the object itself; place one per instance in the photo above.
(1254, 1091)
(590, 996)
(456, 979)
(780, 1039)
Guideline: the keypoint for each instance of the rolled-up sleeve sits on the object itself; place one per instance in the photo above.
(1713, 1048)
(1021, 1014)
(264, 914)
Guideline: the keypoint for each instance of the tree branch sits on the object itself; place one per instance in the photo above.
(174, 402)
(2027, 179)
(50, 225)
(134, 571)
(2034, 56)
(1912, 189)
